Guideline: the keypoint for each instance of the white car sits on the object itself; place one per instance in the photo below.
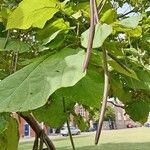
(74, 131)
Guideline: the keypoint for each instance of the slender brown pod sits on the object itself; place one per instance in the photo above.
(96, 18)
(91, 36)
(105, 96)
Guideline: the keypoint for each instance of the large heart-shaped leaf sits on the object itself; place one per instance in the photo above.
(30, 87)
(33, 13)
(88, 91)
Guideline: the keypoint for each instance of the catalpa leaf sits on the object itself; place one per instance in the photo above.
(9, 137)
(33, 13)
(138, 110)
(53, 114)
(119, 67)
(13, 45)
(102, 31)
(131, 22)
(88, 91)
(30, 87)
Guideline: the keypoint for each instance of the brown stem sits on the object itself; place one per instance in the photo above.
(41, 142)
(123, 15)
(116, 105)
(91, 36)
(38, 130)
(69, 131)
(36, 143)
(70, 135)
(105, 95)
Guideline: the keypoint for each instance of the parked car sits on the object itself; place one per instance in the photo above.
(74, 131)
(147, 124)
(129, 125)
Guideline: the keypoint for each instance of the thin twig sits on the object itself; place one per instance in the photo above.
(70, 135)
(68, 126)
(36, 143)
(101, 5)
(116, 105)
(7, 37)
(91, 36)
(41, 142)
(105, 96)
(123, 15)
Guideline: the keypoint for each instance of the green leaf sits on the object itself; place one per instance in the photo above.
(3, 121)
(9, 138)
(122, 69)
(119, 91)
(33, 13)
(14, 45)
(101, 34)
(52, 28)
(109, 16)
(52, 37)
(53, 114)
(114, 48)
(131, 22)
(142, 83)
(40, 79)
(81, 123)
(88, 91)
(138, 110)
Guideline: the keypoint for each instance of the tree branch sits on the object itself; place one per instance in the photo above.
(116, 105)
(105, 96)
(123, 15)
(38, 130)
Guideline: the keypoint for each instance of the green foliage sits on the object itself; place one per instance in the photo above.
(109, 16)
(40, 79)
(13, 45)
(102, 31)
(88, 91)
(53, 113)
(81, 123)
(48, 36)
(138, 110)
(109, 114)
(131, 22)
(122, 69)
(30, 14)
(9, 136)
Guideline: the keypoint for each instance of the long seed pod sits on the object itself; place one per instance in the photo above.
(91, 36)
(105, 96)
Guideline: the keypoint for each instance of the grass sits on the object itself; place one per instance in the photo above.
(125, 139)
